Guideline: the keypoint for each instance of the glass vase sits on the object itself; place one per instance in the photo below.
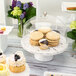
(74, 49)
(74, 46)
(20, 28)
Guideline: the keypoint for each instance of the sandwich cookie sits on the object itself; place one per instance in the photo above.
(53, 38)
(35, 36)
(45, 30)
(43, 44)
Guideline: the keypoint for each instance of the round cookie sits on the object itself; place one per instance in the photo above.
(53, 41)
(43, 44)
(34, 42)
(43, 47)
(17, 69)
(53, 45)
(53, 35)
(36, 35)
(45, 30)
(43, 41)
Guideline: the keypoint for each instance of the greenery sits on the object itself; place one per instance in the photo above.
(18, 11)
(30, 12)
(72, 34)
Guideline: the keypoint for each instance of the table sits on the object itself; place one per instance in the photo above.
(61, 63)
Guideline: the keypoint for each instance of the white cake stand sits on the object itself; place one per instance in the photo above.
(44, 55)
(24, 73)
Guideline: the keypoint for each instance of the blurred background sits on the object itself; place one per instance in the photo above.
(53, 7)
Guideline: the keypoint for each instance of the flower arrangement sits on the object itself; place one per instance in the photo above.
(72, 34)
(22, 12)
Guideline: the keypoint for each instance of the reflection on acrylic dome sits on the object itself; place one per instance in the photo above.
(55, 23)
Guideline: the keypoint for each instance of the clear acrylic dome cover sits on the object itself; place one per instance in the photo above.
(55, 23)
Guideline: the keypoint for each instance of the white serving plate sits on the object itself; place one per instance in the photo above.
(44, 55)
(57, 74)
(24, 73)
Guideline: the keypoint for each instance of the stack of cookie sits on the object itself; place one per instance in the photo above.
(53, 38)
(35, 36)
(45, 38)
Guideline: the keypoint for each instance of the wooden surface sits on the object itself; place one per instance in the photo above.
(61, 63)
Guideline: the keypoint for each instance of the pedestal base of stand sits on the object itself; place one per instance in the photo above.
(41, 57)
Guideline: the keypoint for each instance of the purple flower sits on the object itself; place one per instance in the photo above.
(18, 4)
(25, 6)
(31, 4)
(14, 3)
(23, 15)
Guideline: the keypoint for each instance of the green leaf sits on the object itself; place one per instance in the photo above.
(30, 12)
(71, 35)
(74, 31)
(10, 7)
(24, 20)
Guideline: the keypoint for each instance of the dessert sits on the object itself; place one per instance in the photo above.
(53, 38)
(4, 71)
(45, 38)
(43, 44)
(35, 36)
(3, 28)
(2, 58)
(17, 62)
(71, 8)
(45, 30)
(1, 32)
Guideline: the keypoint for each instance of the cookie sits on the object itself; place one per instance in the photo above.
(1, 32)
(53, 41)
(2, 58)
(53, 45)
(45, 30)
(16, 69)
(43, 41)
(3, 28)
(53, 36)
(4, 62)
(34, 42)
(36, 35)
(43, 44)
(43, 47)
(71, 8)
